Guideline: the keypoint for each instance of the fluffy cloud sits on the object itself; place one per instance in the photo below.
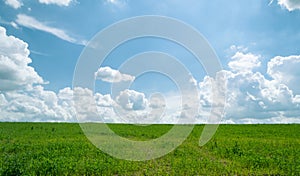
(14, 3)
(290, 4)
(286, 70)
(22, 96)
(35, 104)
(14, 69)
(110, 75)
(56, 2)
(244, 62)
(131, 100)
(253, 98)
(32, 23)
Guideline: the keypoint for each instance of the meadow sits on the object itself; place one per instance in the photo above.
(63, 149)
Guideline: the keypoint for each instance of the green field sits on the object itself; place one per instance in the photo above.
(62, 149)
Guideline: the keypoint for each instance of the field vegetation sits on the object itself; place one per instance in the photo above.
(63, 149)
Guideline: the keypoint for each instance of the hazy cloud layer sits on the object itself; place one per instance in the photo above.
(14, 3)
(31, 22)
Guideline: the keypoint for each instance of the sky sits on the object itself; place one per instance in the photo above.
(257, 43)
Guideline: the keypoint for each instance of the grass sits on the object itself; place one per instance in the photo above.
(63, 149)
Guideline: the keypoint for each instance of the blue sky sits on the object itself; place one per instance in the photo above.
(256, 42)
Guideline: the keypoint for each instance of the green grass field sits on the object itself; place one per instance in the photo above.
(62, 149)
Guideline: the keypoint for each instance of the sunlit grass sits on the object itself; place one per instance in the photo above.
(62, 149)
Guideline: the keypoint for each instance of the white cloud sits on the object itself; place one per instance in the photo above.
(236, 48)
(290, 5)
(244, 62)
(13, 24)
(110, 75)
(14, 3)
(56, 2)
(15, 73)
(22, 97)
(251, 96)
(131, 100)
(103, 100)
(32, 23)
(117, 3)
(254, 98)
(286, 71)
(34, 104)
(157, 101)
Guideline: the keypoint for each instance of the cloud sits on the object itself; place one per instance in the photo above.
(286, 71)
(56, 2)
(30, 22)
(13, 24)
(272, 96)
(131, 100)
(244, 62)
(117, 3)
(35, 104)
(252, 97)
(14, 3)
(15, 73)
(108, 74)
(290, 5)
(22, 96)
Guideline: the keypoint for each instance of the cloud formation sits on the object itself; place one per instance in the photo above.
(131, 100)
(286, 70)
(117, 3)
(56, 2)
(15, 73)
(30, 22)
(290, 5)
(22, 96)
(14, 3)
(244, 62)
(254, 98)
(110, 75)
(272, 96)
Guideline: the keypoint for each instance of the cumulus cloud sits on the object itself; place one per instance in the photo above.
(34, 104)
(56, 2)
(22, 96)
(286, 71)
(14, 3)
(108, 74)
(15, 72)
(290, 5)
(244, 62)
(131, 100)
(31, 22)
(251, 97)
